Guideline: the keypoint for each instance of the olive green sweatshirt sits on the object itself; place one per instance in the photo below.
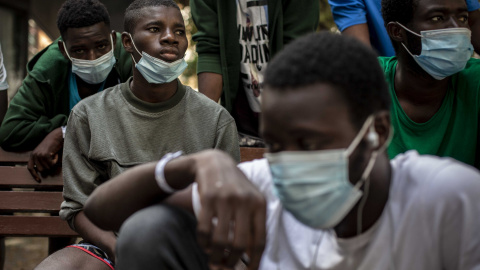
(113, 130)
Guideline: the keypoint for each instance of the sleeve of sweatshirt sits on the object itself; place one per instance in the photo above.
(205, 17)
(30, 117)
(81, 175)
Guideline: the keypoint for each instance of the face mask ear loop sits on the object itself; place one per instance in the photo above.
(65, 48)
(359, 136)
(406, 29)
(133, 43)
(366, 178)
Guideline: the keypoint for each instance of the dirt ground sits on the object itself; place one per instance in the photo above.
(24, 253)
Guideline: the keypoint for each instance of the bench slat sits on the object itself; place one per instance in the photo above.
(251, 153)
(20, 177)
(34, 226)
(30, 201)
(18, 157)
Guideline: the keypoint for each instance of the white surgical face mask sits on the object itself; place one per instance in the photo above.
(314, 185)
(157, 71)
(93, 71)
(444, 51)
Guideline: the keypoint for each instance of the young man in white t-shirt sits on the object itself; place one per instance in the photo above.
(325, 197)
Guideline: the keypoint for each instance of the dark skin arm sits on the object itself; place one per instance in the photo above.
(360, 32)
(46, 155)
(224, 191)
(3, 104)
(474, 22)
(105, 240)
(210, 84)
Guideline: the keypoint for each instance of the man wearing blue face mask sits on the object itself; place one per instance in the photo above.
(85, 60)
(326, 197)
(133, 123)
(433, 81)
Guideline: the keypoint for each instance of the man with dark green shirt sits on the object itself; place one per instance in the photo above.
(434, 82)
(88, 58)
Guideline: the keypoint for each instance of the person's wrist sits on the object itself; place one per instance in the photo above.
(160, 172)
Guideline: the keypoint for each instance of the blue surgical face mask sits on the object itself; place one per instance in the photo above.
(93, 71)
(444, 51)
(157, 71)
(314, 185)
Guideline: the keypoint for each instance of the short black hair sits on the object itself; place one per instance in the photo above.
(398, 11)
(81, 13)
(342, 62)
(133, 11)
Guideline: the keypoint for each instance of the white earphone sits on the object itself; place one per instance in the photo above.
(372, 137)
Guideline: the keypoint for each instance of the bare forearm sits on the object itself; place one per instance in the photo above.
(114, 201)
(210, 84)
(360, 32)
(105, 240)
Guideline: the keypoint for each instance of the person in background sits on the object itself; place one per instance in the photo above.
(363, 20)
(260, 29)
(326, 196)
(85, 60)
(433, 80)
(3, 88)
(134, 123)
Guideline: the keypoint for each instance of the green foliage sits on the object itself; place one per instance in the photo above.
(326, 18)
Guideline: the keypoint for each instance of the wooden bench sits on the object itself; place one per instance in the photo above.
(20, 196)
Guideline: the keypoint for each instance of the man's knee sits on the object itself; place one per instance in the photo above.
(159, 237)
(71, 258)
(157, 223)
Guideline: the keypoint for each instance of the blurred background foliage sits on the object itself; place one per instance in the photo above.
(189, 76)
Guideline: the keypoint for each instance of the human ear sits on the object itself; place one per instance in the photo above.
(382, 128)
(114, 38)
(395, 31)
(127, 42)
(62, 49)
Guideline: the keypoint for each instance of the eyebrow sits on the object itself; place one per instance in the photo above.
(155, 23)
(444, 9)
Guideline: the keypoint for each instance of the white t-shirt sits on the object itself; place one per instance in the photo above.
(252, 25)
(3, 73)
(431, 221)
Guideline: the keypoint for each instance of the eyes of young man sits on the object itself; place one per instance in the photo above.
(302, 144)
(155, 29)
(441, 18)
(78, 52)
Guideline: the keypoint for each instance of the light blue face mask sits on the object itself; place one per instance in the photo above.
(314, 185)
(444, 51)
(93, 71)
(157, 71)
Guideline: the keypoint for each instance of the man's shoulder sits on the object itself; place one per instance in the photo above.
(387, 62)
(49, 63)
(472, 69)
(198, 101)
(436, 178)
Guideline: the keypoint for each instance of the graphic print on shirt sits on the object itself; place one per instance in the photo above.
(252, 26)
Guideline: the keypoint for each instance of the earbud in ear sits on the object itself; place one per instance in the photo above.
(372, 137)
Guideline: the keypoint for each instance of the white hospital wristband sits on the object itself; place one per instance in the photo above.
(159, 172)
